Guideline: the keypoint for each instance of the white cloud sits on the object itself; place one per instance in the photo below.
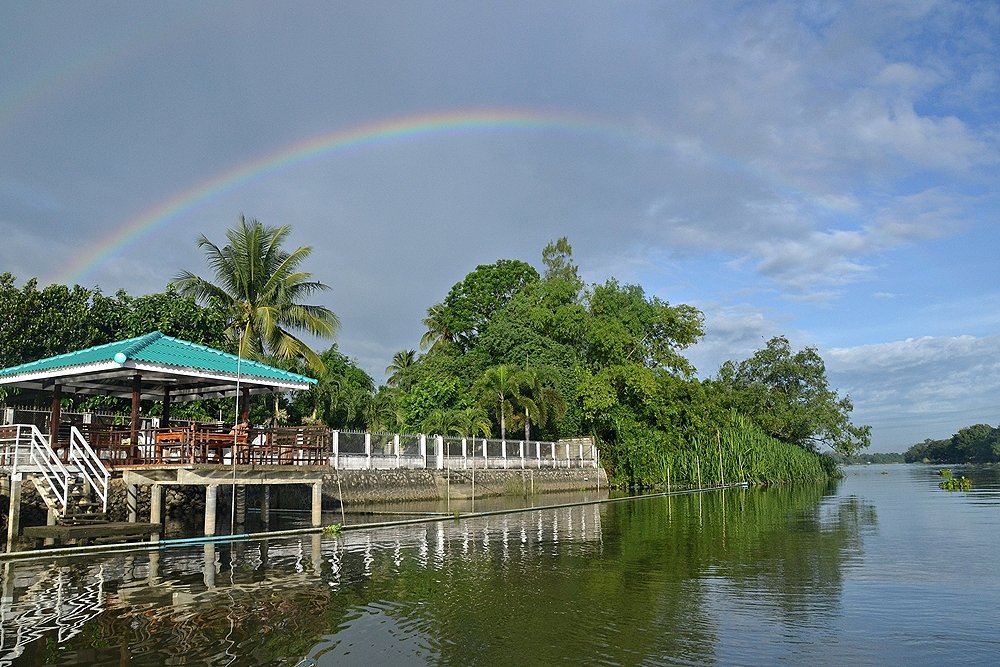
(919, 388)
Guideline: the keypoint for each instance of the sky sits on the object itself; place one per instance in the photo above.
(826, 171)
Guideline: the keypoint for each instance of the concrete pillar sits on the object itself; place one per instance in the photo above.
(14, 511)
(317, 504)
(336, 449)
(50, 520)
(211, 500)
(131, 502)
(439, 450)
(156, 504)
(265, 506)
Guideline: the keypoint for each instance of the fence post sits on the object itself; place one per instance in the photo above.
(522, 455)
(423, 449)
(336, 449)
(554, 462)
(503, 452)
(538, 453)
(439, 443)
(368, 450)
(486, 453)
(395, 448)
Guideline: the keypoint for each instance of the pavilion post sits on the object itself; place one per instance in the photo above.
(245, 406)
(165, 419)
(55, 418)
(134, 435)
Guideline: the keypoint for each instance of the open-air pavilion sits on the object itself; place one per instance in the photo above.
(155, 367)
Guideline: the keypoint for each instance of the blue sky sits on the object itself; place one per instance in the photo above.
(823, 170)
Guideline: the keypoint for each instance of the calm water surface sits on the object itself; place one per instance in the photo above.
(882, 568)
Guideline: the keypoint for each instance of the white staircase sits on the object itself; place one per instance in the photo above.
(76, 490)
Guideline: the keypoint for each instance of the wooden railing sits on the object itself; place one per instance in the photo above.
(213, 444)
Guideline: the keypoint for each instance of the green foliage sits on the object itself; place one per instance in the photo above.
(626, 327)
(870, 457)
(979, 443)
(787, 395)
(950, 483)
(471, 303)
(341, 397)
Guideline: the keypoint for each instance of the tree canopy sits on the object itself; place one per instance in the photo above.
(787, 395)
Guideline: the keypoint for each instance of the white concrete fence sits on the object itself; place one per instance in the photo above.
(378, 451)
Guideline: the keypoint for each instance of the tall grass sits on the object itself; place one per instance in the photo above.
(735, 451)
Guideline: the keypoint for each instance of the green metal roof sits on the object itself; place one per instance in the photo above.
(153, 355)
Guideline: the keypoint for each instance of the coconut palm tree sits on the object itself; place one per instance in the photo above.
(400, 362)
(544, 400)
(437, 331)
(261, 288)
(501, 388)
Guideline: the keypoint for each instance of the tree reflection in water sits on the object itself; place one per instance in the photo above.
(644, 580)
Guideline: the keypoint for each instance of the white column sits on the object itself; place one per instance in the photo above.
(368, 449)
(336, 449)
(155, 504)
(423, 448)
(439, 443)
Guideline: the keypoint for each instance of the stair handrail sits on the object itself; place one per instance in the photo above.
(90, 465)
(49, 466)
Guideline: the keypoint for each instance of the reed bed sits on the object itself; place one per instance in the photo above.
(736, 451)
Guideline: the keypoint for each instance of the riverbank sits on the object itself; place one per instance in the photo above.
(345, 489)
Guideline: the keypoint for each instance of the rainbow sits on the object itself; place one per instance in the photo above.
(378, 133)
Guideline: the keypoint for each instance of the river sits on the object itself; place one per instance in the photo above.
(880, 568)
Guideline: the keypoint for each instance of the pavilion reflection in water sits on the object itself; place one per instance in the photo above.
(54, 601)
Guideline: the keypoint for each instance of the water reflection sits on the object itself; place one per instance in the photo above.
(649, 580)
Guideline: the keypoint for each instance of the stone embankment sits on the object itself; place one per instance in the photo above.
(347, 487)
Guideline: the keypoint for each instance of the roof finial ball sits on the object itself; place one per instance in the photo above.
(120, 358)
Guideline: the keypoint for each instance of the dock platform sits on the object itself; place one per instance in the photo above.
(93, 533)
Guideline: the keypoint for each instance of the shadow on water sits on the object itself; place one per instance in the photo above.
(629, 582)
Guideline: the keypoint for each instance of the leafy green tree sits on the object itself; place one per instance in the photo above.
(787, 395)
(260, 287)
(557, 257)
(627, 327)
(974, 443)
(471, 303)
(42, 323)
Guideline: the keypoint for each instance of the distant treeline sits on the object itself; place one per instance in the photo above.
(873, 457)
(979, 443)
